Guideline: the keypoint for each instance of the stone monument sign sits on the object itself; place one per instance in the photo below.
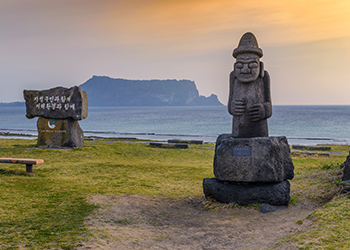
(250, 167)
(59, 110)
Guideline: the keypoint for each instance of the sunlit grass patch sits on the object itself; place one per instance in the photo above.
(315, 179)
(47, 209)
(331, 227)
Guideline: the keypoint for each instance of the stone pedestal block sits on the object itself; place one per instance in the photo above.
(54, 133)
(248, 193)
(259, 159)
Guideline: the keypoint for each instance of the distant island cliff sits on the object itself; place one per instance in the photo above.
(106, 91)
(12, 104)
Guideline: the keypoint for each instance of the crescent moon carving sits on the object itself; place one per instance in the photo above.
(52, 126)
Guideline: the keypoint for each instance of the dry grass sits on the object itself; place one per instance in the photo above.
(47, 209)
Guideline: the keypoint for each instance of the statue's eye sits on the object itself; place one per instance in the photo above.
(253, 65)
(239, 65)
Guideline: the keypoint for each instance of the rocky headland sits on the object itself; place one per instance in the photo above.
(106, 91)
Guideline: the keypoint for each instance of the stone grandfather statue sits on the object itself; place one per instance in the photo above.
(250, 167)
(249, 96)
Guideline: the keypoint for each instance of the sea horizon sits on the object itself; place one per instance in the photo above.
(301, 124)
(23, 102)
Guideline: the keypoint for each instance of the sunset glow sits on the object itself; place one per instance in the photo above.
(65, 43)
(278, 21)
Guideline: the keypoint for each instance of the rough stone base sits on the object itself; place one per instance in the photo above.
(259, 159)
(247, 194)
(59, 133)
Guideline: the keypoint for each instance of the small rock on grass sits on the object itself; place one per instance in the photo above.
(344, 183)
(266, 208)
(345, 190)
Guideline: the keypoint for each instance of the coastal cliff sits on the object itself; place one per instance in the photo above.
(106, 91)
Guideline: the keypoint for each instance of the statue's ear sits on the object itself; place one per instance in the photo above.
(232, 75)
(262, 70)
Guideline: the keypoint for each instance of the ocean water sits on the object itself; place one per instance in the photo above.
(307, 125)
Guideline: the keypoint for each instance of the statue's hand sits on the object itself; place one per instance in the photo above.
(238, 107)
(257, 112)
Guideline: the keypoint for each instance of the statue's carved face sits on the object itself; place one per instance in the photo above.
(247, 67)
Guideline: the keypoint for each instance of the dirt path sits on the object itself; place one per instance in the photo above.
(141, 222)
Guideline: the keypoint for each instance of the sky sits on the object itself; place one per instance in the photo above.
(306, 44)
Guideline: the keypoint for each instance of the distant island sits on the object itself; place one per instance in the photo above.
(106, 91)
(12, 104)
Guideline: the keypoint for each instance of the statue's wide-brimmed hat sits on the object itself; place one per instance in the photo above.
(248, 44)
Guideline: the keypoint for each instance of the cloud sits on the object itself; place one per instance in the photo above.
(277, 22)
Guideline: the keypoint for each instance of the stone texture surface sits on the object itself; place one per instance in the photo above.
(346, 172)
(53, 133)
(269, 161)
(57, 103)
(249, 97)
(246, 194)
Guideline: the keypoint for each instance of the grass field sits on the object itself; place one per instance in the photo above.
(47, 209)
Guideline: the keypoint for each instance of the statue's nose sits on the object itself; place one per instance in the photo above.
(245, 69)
